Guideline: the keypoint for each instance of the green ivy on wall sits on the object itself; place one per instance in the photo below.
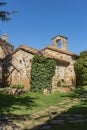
(42, 71)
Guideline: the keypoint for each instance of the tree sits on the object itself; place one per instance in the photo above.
(81, 69)
(4, 14)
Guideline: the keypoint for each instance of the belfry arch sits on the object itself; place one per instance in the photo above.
(60, 42)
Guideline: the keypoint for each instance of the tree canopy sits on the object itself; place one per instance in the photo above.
(81, 69)
(4, 14)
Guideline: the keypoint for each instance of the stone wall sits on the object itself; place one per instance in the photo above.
(5, 49)
(56, 55)
(65, 74)
(2, 54)
(20, 61)
(19, 69)
(65, 66)
(1, 64)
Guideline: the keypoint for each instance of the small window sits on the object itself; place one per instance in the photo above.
(72, 80)
(62, 80)
(20, 61)
(30, 60)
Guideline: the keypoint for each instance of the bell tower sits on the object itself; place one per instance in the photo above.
(60, 42)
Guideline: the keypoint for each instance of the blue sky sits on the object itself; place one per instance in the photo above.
(38, 21)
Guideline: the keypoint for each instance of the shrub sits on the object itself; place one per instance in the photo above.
(81, 69)
(83, 54)
(42, 71)
(17, 86)
(59, 83)
(66, 85)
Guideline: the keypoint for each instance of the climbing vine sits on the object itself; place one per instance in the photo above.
(42, 71)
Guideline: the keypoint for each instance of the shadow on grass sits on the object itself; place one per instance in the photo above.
(11, 103)
(77, 114)
(81, 95)
(8, 103)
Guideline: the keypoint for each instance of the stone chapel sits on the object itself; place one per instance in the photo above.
(15, 65)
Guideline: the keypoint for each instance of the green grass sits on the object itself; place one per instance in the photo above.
(81, 95)
(28, 103)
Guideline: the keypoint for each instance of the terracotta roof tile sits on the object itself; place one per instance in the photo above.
(26, 49)
(61, 51)
(56, 58)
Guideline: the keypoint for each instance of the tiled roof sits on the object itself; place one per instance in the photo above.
(61, 51)
(56, 58)
(35, 51)
(59, 36)
(26, 49)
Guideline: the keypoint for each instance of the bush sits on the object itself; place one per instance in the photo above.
(81, 69)
(17, 86)
(66, 85)
(42, 71)
(83, 54)
(59, 83)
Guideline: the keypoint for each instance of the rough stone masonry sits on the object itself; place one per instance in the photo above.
(15, 65)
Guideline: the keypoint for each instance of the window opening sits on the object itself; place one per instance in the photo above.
(59, 44)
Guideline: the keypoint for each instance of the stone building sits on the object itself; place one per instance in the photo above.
(5, 49)
(15, 65)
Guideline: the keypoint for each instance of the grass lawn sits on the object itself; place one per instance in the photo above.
(28, 103)
(81, 95)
